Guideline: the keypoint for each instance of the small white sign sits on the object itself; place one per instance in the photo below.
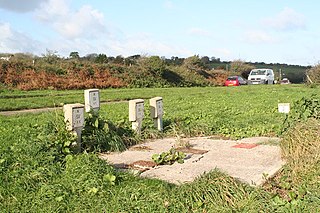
(159, 108)
(92, 99)
(73, 115)
(140, 111)
(284, 107)
(136, 109)
(77, 117)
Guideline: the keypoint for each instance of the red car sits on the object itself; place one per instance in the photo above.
(235, 81)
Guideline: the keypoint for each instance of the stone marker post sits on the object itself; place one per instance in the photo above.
(136, 114)
(74, 118)
(92, 100)
(156, 112)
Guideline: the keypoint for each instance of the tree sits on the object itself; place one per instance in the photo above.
(241, 67)
(101, 59)
(51, 56)
(155, 65)
(193, 63)
(119, 60)
(313, 74)
(215, 60)
(176, 61)
(91, 56)
(205, 60)
(74, 55)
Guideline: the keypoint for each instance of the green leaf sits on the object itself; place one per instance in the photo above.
(59, 199)
(180, 161)
(110, 179)
(93, 190)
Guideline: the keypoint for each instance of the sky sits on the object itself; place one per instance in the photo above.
(273, 31)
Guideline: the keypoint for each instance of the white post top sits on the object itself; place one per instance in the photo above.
(136, 101)
(156, 99)
(136, 109)
(156, 107)
(72, 106)
(92, 99)
(74, 115)
(92, 90)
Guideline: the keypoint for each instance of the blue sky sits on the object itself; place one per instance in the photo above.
(274, 31)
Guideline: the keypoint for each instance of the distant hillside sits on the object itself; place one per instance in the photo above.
(29, 72)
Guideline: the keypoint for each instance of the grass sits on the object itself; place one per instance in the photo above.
(16, 100)
(36, 175)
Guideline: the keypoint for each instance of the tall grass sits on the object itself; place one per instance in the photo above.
(301, 146)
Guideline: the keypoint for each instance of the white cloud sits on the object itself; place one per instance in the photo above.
(198, 32)
(72, 24)
(83, 30)
(19, 7)
(53, 10)
(144, 44)
(287, 19)
(258, 37)
(12, 41)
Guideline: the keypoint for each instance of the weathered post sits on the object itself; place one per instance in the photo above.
(74, 118)
(156, 112)
(136, 114)
(92, 100)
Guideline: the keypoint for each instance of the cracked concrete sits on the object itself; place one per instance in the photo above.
(251, 165)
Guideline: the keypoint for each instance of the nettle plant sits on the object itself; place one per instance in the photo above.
(169, 157)
(101, 135)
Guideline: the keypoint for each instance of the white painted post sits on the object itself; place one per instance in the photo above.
(92, 100)
(156, 112)
(284, 107)
(136, 114)
(74, 118)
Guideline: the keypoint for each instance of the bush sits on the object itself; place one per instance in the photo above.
(313, 74)
(241, 68)
(100, 135)
(303, 109)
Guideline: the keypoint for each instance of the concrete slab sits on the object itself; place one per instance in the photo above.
(250, 165)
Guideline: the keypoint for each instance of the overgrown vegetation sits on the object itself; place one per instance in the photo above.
(100, 135)
(313, 75)
(39, 171)
(50, 71)
(296, 187)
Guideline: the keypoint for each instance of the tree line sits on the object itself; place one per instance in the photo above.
(99, 70)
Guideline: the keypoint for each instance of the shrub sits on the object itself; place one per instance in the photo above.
(241, 68)
(313, 74)
(98, 136)
(303, 109)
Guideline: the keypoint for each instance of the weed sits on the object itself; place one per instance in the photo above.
(100, 135)
(306, 107)
(169, 157)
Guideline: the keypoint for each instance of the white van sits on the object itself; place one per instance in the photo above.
(261, 76)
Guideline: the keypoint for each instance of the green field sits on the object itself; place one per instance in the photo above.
(38, 175)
